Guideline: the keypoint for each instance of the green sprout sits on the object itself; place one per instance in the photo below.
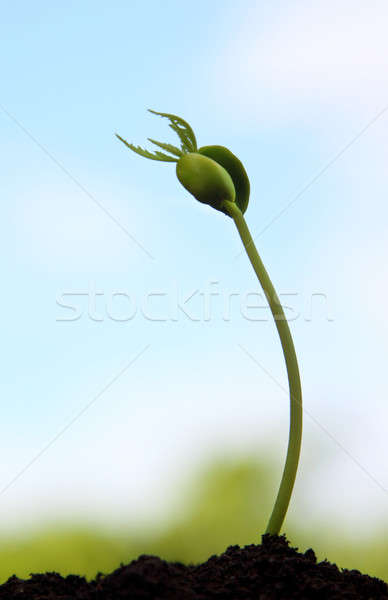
(215, 176)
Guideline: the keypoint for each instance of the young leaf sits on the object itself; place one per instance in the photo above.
(168, 147)
(183, 129)
(146, 153)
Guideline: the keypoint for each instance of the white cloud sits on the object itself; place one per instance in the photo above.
(331, 53)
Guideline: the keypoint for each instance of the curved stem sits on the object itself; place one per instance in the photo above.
(296, 417)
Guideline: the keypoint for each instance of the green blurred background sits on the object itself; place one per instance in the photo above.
(225, 502)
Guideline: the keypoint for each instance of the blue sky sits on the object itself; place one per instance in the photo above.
(298, 92)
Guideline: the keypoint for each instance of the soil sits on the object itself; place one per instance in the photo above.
(270, 571)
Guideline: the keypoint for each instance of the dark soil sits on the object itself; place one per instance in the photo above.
(271, 571)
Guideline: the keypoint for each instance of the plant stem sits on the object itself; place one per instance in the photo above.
(296, 416)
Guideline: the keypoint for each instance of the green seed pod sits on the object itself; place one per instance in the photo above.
(236, 170)
(213, 174)
(205, 179)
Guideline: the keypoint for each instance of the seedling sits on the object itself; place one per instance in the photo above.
(215, 176)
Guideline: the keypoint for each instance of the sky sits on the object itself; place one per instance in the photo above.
(130, 313)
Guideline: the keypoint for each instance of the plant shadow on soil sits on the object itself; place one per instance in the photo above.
(270, 571)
